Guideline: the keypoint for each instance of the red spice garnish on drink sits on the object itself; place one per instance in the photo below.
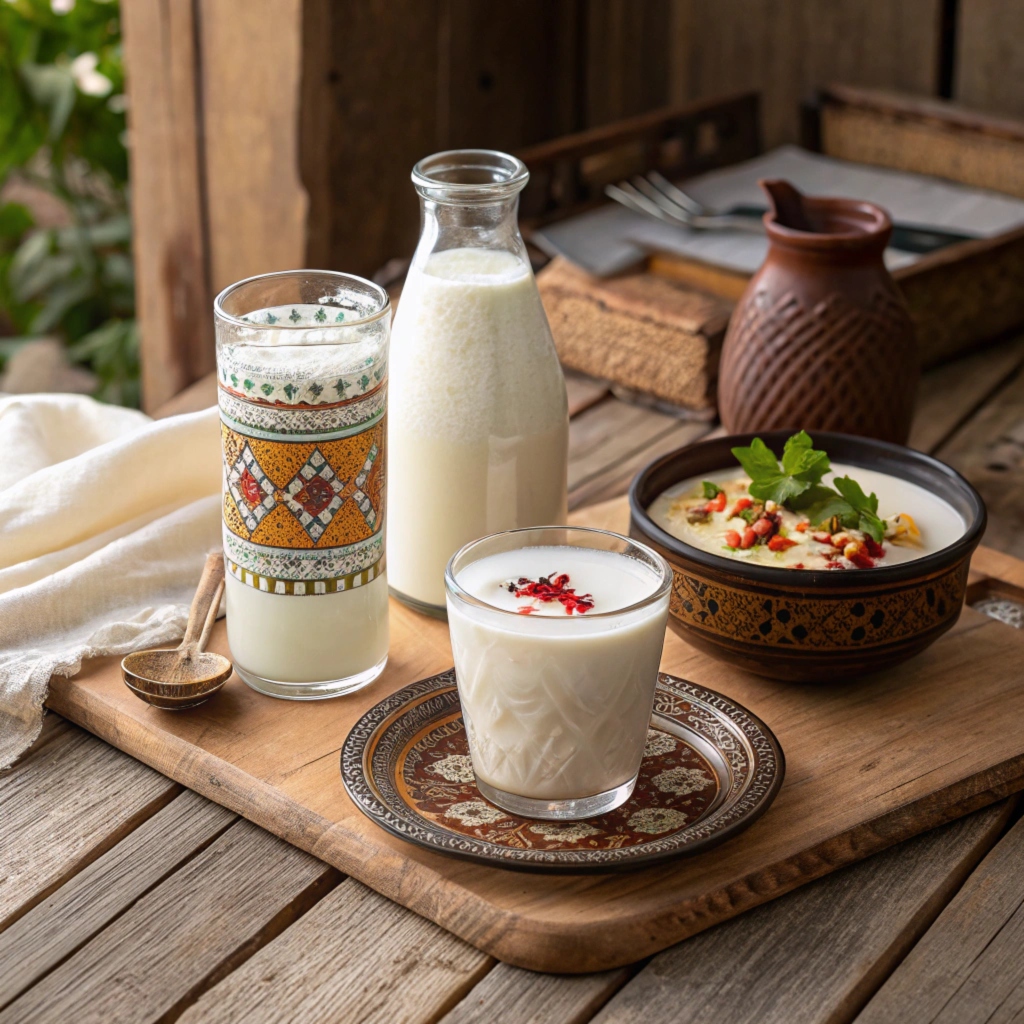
(551, 588)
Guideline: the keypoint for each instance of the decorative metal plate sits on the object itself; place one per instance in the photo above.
(710, 769)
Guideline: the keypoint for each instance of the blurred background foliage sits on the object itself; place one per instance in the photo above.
(65, 231)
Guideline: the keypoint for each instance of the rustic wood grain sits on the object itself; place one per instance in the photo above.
(256, 203)
(524, 997)
(626, 59)
(83, 906)
(949, 395)
(862, 775)
(616, 478)
(168, 208)
(989, 451)
(610, 431)
(990, 56)
(509, 72)
(66, 802)
(968, 967)
(786, 50)
(816, 955)
(354, 957)
(183, 936)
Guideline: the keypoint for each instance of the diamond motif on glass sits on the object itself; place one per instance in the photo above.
(358, 495)
(314, 495)
(251, 491)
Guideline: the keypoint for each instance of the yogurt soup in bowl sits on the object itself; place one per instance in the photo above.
(809, 558)
(557, 634)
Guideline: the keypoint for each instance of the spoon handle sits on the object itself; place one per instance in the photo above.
(203, 612)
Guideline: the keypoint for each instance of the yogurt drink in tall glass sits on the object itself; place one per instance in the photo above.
(302, 375)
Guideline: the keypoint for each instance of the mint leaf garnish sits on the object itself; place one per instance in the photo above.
(802, 467)
(864, 506)
(796, 483)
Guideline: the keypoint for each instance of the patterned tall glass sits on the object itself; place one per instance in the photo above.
(302, 375)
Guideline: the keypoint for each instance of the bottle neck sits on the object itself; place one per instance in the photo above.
(477, 225)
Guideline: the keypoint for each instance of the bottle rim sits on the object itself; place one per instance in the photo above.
(458, 176)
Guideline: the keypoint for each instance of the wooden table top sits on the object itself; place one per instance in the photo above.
(125, 898)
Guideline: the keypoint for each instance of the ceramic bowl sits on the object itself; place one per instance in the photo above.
(803, 625)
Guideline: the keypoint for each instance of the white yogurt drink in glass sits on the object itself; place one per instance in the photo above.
(557, 634)
(478, 423)
(302, 382)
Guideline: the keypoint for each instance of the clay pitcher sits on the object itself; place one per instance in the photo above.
(821, 338)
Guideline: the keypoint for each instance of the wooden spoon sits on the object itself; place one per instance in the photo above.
(188, 675)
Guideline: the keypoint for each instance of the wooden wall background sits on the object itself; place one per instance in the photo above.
(281, 133)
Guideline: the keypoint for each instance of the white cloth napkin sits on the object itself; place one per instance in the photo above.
(106, 518)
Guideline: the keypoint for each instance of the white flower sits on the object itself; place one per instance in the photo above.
(652, 820)
(62, 6)
(681, 781)
(87, 78)
(564, 833)
(474, 812)
(454, 768)
(658, 743)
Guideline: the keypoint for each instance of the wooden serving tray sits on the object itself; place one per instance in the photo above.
(868, 765)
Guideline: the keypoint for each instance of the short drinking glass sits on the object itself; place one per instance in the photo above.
(557, 634)
(302, 375)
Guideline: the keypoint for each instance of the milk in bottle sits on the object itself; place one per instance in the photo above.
(478, 418)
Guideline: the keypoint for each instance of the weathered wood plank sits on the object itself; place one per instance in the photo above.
(168, 217)
(616, 478)
(525, 997)
(786, 50)
(989, 451)
(66, 802)
(608, 432)
(355, 956)
(626, 58)
(82, 907)
(256, 205)
(815, 955)
(183, 936)
(990, 56)
(949, 394)
(968, 968)
(583, 392)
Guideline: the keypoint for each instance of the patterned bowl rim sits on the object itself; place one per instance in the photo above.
(743, 802)
(883, 456)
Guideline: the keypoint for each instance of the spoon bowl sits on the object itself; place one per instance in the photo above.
(179, 678)
(148, 674)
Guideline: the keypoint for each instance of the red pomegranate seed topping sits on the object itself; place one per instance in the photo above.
(551, 588)
(875, 550)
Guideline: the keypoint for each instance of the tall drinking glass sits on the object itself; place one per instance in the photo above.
(302, 375)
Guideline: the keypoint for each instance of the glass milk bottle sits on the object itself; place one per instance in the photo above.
(302, 385)
(478, 419)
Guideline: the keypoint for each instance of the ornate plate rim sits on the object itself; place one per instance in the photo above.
(732, 815)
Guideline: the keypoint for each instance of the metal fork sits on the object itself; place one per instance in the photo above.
(656, 196)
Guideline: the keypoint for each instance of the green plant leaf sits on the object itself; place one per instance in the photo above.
(800, 460)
